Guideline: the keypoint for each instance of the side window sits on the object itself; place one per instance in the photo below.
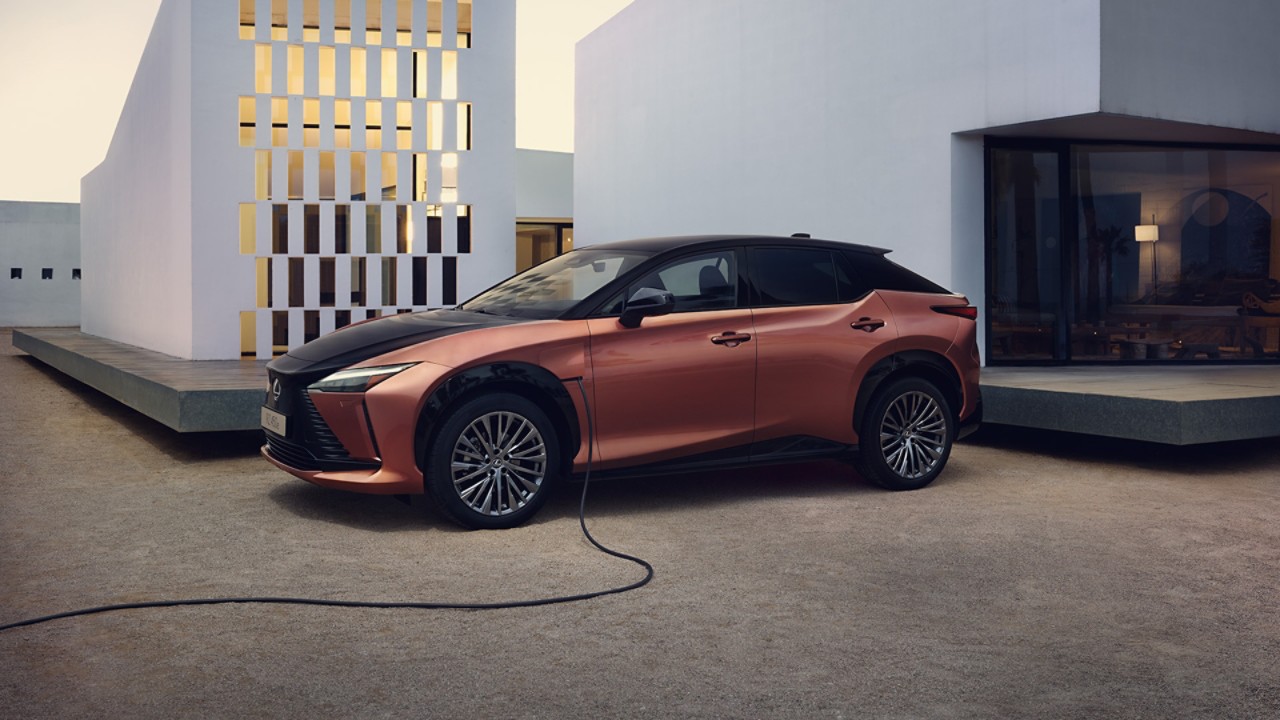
(702, 282)
(795, 276)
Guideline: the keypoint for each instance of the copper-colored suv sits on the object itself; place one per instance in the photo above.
(686, 353)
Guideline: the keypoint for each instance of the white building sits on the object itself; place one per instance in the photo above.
(1007, 149)
(39, 264)
(285, 167)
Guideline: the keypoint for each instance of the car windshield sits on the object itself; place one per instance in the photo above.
(549, 289)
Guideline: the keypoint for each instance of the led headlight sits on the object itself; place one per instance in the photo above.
(358, 379)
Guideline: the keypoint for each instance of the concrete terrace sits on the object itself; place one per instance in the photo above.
(1171, 404)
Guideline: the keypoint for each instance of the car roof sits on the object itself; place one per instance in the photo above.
(664, 244)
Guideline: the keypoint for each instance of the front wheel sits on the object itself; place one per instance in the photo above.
(906, 435)
(492, 462)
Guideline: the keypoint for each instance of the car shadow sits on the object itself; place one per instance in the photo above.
(662, 493)
(375, 513)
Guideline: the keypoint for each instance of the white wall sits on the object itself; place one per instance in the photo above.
(1196, 61)
(822, 116)
(136, 205)
(35, 236)
(544, 184)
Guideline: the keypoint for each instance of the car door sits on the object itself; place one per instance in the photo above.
(816, 333)
(681, 384)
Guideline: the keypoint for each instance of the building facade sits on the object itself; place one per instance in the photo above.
(285, 167)
(1099, 176)
(40, 271)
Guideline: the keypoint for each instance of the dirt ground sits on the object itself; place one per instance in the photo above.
(1041, 576)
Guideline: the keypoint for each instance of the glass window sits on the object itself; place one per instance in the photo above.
(435, 23)
(279, 20)
(75, 273)
(279, 122)
(246, 20)
(549, 289)
(708, 281)
(358, 266)
(449, 281)
(342, 229)
(389, 176)
(435, 235)
(327, 274)
(420, 73)
(358, 180)
(311, 229)
(464, 23)
(342, 123)
(248, 121)
(311, 20)
(297, 282)
(404, 230)
(359, 72)
(389, 288)
(46, 273)
(328, 71)
(373, 124)
(373, 228)
(342, 21)
(464, 229)
(248, 233)
(464, 126)
(262, 68)
(435, 126)
(389, 72)
(15, 273)
(373, 22)
(404, 22)
(280, 229)
(297, 171)
(327, 173)
(794, 276)
(420, 280)
(311, 122)
(262, 175)
(449, 75)
(263, 267)
(419, 177)
(296, 69)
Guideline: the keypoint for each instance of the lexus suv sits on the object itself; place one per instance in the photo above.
(669, 354)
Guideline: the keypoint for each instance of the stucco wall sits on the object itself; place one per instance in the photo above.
(544, 184)
(35, 236)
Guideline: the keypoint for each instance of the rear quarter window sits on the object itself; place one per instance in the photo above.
(880, 273)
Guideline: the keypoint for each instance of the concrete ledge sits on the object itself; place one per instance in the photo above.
(1175, 405)
(186, 395)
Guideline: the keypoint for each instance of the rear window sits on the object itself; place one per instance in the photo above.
(881, 273)
(797, 276)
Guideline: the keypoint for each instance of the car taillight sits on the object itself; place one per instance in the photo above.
(965, 311)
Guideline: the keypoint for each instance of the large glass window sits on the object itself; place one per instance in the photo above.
(1171, 253)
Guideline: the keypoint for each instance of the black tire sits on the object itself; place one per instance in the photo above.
(492, 462)
(906, 435)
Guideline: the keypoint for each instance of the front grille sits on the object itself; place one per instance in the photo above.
(311, 444)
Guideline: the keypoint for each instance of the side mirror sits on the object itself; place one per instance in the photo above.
(646, 302)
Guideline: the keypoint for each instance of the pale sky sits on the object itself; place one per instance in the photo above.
(66, 66)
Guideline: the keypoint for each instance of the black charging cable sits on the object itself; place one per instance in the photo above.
(582, 522)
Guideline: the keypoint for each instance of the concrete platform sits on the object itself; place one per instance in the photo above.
(186, 395)
(1172, 404)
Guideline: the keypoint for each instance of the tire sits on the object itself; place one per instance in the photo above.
(906, 435)
(493, 462)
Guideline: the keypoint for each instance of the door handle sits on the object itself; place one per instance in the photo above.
(867, 324)
(730, 338)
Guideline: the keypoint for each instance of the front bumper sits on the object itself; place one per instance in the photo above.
(381, 481)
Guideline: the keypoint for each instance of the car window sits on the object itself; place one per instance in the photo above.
(796, 276)
(881, 273)
(707, 281)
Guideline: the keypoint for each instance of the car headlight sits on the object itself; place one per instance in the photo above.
(358, 379)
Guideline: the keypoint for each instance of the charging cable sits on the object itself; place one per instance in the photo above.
(582, 522)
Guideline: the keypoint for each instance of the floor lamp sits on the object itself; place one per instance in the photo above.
(1150, 234)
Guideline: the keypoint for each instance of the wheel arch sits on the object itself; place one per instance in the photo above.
(532, 382)
(918, 363)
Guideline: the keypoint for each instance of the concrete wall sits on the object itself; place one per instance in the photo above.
(544, 184)
(136, 205)
(35, 236)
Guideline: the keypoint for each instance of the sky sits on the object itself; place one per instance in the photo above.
(66, 66)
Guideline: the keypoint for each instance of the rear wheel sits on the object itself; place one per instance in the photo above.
(492, 462)
(906, 435)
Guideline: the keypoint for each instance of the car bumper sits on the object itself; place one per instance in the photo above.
(380, 481)
(970, 424)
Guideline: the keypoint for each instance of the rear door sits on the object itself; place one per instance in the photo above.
(681, 384)
(816, 333)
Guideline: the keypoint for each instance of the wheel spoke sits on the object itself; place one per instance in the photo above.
(499, 462)
(913, 432)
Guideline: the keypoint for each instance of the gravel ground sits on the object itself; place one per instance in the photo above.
(1041, 576)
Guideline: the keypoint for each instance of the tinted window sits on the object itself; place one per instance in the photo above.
(702, 282)
(880, 273)
(795, 276)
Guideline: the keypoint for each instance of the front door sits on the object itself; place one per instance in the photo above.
(680, 384)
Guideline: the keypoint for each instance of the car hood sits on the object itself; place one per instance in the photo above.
(365, 340)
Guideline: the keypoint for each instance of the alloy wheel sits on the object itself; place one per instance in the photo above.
(498, 463)
(913, 434)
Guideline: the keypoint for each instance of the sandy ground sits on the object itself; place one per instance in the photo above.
(1041, 576)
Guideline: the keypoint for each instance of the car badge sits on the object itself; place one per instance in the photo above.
(275, 391)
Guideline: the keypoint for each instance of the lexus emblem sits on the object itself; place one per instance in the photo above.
(275, 391)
